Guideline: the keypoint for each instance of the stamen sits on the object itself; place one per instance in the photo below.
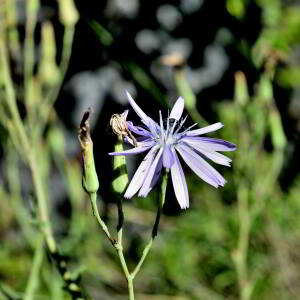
(173, 127)
(181, 123)
(184, 132)
(168, 123)
(161, 125)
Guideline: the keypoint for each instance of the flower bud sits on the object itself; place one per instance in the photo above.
(241, 94)
(48, 68)
(120, 128)
(68, 14)
(90, 181)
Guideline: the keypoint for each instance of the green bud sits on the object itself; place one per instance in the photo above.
(120, 180)
(241, 94)
(90, 181)
(68, 14)
(265, 90)
(276, 129)
(56, 141)
(48, 68)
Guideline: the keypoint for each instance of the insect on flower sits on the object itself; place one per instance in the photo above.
(164, 141)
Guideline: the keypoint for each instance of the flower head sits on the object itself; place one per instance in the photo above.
(164, 141)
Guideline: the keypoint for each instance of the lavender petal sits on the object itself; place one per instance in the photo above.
(211, 144)
(156, 174)
(168, 157)
(206, 129)
(138, 130)
(146, 120)
(146, 187)
(177, 109)
(203, 169)
(211, 154)
(179, 183)
(142, 148)
(140, 174)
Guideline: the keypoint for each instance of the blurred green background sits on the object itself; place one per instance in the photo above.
(234, 61)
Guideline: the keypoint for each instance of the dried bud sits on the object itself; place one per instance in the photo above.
(118, 123)
(90, 181)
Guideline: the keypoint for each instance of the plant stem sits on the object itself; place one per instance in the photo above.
(31, 17)
(52, 95)
(93, 198)
(162, 195)
(241, 253)
(33, 280)
(30, 154)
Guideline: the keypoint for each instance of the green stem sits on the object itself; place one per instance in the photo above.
(128, 276)
(33, 280)
(130, 288)
(145, 253)
(148, 246)
(93, 198)
(241, 253)
(42, 203)
(28, 150)
(31, 15)
(51, 96)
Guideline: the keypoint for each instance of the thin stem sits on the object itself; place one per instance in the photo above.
(31, 15)
(33, 280)
(144, 255)
(93, 198)
(130, 288)
(42, 202)
(241, 253)
(29, 151)
(119, 247)
(162, 195)
(51, 96)
(11, 97)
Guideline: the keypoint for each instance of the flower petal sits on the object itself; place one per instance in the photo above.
(177, 109)
(206, 129)
(140, 174)
(203, 169)
(179, 183)
(156, 174)
(144, 146)
(211, 154)
(138, 129)
(146, 187)
(168, 157)
(146, 120)
(211, 144)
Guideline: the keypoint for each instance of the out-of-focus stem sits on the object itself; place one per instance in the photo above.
(30, 154)
(33, 280)
(52, 94)
(241, 253)
(31, 17)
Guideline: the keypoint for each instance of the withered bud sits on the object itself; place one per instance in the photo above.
(90, 181)
(118, 123)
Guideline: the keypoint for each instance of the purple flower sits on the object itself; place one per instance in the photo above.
(165, 140)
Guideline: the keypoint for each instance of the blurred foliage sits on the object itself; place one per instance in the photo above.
(239, 66)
